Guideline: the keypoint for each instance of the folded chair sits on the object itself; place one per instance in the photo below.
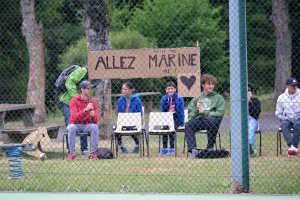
(129, 124)
(161, 123)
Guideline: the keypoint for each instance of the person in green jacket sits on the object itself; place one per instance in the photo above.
(204, 113)
(72, 85)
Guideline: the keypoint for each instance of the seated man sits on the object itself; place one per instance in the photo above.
(84, 118)
(205, 113)
(288, 112)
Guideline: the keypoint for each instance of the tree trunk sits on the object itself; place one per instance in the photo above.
(281, 20)
(33, 32)
(96, 23)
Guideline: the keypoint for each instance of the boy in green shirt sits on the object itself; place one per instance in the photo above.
(204, 113)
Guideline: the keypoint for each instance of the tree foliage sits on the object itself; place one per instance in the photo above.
(181, 25)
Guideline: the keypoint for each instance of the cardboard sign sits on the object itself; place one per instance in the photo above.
(143, 63)
(189, 84)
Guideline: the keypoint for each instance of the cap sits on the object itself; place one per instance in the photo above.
(85, 84)
(250, 88)
(292, 81)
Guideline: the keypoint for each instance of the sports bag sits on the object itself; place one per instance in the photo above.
(211, 153)
(60, 82)
(104, 153)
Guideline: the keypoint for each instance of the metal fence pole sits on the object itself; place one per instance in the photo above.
(238, 96)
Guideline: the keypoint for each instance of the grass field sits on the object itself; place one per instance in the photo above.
(158, 174)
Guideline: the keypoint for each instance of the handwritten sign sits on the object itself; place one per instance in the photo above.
(189, 84)
(143, 63)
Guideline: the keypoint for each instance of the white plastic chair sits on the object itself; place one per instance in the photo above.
(161, 123)
(129, 120)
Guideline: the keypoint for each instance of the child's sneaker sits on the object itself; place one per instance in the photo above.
(71, 157)
(171, 152)
(124, 149)
(94, 156)
(85, 153)
(293, 151)
(136, 149)
(254, 153)
(163, 151)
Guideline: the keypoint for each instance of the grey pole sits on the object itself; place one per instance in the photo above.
(238, 97)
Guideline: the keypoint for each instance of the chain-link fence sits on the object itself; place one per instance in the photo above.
(147, 45)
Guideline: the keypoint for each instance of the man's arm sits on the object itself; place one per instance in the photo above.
(280, 109)
(192, 109)
(181, 111)
(218, 111)
(254, 108)
(76, 113)
(74, 79)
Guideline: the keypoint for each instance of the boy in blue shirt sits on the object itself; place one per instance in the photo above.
(171, 102)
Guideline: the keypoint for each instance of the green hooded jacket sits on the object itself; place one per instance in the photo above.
(214, 107)
(72, 84)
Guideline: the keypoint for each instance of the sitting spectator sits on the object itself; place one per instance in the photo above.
(84, 118)
(129, 103)
(171, 102)
(254, 111)
(288, 112)
(204, 113)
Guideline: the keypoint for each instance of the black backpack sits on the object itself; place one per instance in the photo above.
(61, 80)
(211, 153)
(104, 153)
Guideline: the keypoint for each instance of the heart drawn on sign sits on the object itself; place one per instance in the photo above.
(188, 82)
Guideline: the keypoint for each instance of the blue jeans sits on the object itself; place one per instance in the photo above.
(83, 139)
(285, 128)
(252, 128)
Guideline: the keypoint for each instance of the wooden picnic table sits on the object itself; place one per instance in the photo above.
(146, 97)
(26, 112)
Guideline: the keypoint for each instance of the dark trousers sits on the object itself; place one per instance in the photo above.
(165, 140)
(285, 128)
(192, 126)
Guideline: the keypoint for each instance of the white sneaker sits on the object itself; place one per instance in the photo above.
(86, 153)
(293, 151)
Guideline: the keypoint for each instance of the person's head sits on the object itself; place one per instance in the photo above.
(170, 88)
(85, 88)
(292, 85)
(208, 82)
(127, 89)
(250, 90)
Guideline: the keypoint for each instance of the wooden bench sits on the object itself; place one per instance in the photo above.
(18, 135)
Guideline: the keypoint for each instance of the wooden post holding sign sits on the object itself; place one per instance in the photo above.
(143, 63)
(188, 84)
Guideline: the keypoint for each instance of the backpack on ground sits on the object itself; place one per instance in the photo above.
(61, 80)
(211, 153)
(104, 153)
